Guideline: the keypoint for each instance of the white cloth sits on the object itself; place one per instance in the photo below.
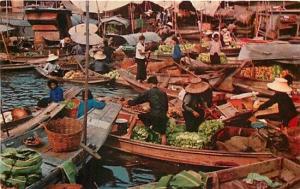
(181, 94)
(215, 47)
(51, 68)
(62, 42)
(140, 47)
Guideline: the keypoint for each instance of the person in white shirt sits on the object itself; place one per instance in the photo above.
(140, 59)
(52, 68)
(215, 49)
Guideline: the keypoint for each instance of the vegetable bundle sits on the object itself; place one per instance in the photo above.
(112, 74)
(205, 58)
(143, 133)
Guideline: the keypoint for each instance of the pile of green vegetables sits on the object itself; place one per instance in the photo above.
(167, 49)
(112, 74)
(20, 167)
(205, 58)
(179, 137)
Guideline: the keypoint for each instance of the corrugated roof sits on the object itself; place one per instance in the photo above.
(270, 51)
(4, 28)
(15, 22)
(116, 20)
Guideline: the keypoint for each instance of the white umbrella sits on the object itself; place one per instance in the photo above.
(81, 28)
(80, 38)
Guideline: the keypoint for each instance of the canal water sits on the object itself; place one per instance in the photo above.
(116, 169)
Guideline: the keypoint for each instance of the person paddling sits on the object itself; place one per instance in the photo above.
(140, 59)
(287, 114)
(52, 68)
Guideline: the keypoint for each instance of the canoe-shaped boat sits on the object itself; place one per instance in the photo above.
(98, 127)
(39, 117)
(94, 77)
(211, 158)
(282, 169)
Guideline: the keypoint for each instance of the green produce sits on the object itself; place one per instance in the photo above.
(205, 58)
(20, 167)
(113, 74)
(167, 49)
(186, 140)
(209, 128)
(146, 134)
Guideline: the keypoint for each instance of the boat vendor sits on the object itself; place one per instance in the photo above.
(215, 48)
(140, 59)
(176, 51)
(287, 114)
(198, 97)
(108, 51)
(91, 103)
(100, 65)
(56, 94)
(65, 44)
(77, 50)
(52, 68)
(157, 117)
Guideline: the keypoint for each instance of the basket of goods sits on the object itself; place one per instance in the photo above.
(64, 134)
(205, 58)
(20, 167)
(72, 107)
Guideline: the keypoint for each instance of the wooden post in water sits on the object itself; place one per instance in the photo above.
(86, 71)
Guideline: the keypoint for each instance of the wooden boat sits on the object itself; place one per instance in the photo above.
(39, 117)
(93, 78)
(212, 158)
(285, 170)
(98, 127)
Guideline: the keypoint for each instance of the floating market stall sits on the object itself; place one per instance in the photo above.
(184, 147)
(269, 60)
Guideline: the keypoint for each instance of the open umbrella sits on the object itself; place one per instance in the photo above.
(80, 38)
(81, 28)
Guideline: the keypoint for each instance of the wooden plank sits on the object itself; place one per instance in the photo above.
(44, 28)
(42, 16)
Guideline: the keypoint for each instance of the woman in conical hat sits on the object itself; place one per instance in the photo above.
(198, 97)
(287, 114)
(52, 68)
(100, 64)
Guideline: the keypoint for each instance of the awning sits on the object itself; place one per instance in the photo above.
(15, 22)
(208, 7)
(76, 19)
(116, 20)
(270, 51)
(133, 39)
(4, 28)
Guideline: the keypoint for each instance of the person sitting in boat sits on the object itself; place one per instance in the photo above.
(65, 44)
(215, 49)
(91, 103)
(56, 94)
(100, 65)
(108, 51)
(197, 99)
(140, 59)
(176, 52)
(157, 117)
(77, 50)
(52, 68)
(287, 114)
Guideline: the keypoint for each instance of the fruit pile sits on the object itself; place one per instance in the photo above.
(205, 58)
(264, 73)
(113, 74)
(74, 75)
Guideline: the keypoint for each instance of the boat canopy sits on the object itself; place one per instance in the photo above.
(116, 20)
(270, 51)
(133, 39)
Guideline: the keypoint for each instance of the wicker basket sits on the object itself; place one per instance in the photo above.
(64, 134)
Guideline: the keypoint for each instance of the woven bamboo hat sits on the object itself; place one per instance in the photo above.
(52, 57)
(197, 86)
(280, 85)
(99, 55)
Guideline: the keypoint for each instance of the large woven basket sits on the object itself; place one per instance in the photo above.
(64, 134)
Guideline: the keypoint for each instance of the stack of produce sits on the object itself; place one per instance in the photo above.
(167, 49)
(265, 73)
(146, 134)
(74, 75)
(186, 140)
(209, 128)
(205, 58)
(20, 167)
(113, 74)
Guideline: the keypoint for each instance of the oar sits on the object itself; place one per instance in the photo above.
(90, 151)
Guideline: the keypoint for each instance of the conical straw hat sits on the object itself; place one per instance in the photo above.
(99, 55)
(197, 86)
(52, 57)
(280, 85)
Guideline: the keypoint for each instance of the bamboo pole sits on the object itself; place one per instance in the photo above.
(86, 71)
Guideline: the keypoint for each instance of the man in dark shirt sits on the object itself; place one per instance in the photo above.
(157, 117)
(108, 51)
(198, 97)
(287, 109)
